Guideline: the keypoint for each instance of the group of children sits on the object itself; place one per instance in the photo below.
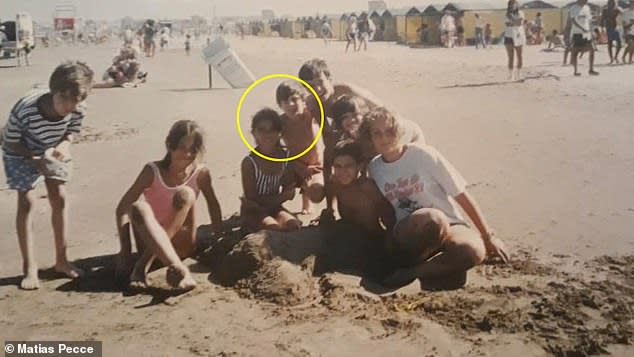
(373, 164)
(378, 170)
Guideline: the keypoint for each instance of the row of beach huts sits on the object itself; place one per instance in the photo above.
(402, 25)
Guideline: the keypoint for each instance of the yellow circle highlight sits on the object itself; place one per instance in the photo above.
(321, 111)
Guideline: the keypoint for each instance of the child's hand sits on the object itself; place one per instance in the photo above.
(496, 248)
(61, 152)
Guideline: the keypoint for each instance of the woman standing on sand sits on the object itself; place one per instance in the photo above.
(514, 37)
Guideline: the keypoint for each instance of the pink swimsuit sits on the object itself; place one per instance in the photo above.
(160, 196)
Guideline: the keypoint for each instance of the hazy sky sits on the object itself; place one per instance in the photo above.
(42, 10)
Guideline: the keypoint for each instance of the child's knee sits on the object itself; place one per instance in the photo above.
(430, 219)
(184, 197)
(292, 225)
(138, 211)
(26, 201)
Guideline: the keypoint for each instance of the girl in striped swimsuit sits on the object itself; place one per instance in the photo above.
(267, 184)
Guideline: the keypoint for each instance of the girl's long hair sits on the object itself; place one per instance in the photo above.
(180, 130)
(511, 8)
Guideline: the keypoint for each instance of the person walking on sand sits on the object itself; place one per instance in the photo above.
(581, 35)
(628, 29)
(479, 32)
(352, 33)
(514, 38)
(609, 21)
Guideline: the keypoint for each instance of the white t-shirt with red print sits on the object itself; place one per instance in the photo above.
(421, 178)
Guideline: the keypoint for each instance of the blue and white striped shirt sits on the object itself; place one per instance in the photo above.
(27, 125)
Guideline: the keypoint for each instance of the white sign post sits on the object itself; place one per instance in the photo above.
(220, 55)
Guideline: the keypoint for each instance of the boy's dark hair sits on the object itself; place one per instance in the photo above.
(287, 89)
(267, 114)
(313, 68)
(73, 78)
(350, 148)
(347, 104)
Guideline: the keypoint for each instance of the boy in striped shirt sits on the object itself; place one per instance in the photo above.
(36, 147)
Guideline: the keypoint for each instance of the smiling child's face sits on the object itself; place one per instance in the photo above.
(266, 136)
(384, 136)
(295, 105)
(345, 169)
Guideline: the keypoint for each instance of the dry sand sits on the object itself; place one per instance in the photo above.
(550, 161)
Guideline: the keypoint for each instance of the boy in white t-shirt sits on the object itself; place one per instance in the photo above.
(431, 240)
(581, 34)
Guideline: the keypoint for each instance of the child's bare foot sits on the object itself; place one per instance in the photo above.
(179, 277)
(306, 211)
(138, 279)
(69, 270)
(30, 281)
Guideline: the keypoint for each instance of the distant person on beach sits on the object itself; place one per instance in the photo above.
(538, 29)
(488, 34)
(556, 40)
(479, 32)
(514, 38)
(326, 32)
(188, 44)
(36, 147)
(366, 32)
(163, 223)
(352, 33)
(581, 35)
(430, 239)
(448, 29)
(459, 31)
(609, 17)
(628, 30)
(149, 44)
(125, 70)
(164, 38)
(267, 184)
(299, 130)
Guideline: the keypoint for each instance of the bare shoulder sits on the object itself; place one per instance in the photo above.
(204, 174)
(145, 178)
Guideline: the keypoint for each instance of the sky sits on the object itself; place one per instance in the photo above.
(43, 10)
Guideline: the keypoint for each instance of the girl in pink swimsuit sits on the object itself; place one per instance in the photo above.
(163, 220)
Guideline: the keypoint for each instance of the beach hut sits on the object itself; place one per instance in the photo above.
(400, 17)
(413, 22)
(431, 16)
(389, 26)
(551, 15)
(377, 19)
(492, 12)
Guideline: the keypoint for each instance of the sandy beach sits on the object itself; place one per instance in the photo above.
(549, 160)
